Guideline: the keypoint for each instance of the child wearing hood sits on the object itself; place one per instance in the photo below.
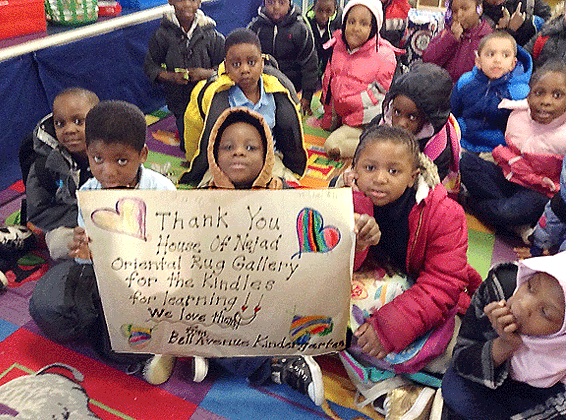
(419, 102)
(357, 77)
(241, 156)
(509, 359)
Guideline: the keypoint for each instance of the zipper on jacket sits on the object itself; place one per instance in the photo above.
(413, 245)
(274, 36)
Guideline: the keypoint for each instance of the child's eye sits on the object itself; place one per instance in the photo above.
(78, 121)
(369, 168)
(396, 112)
(97, 159)
(226, 147)
(557, 95)
(122, 162)
(251, 63)
(393, 171)
(251, 148)
(236, 64)
(59, 124)
(413, 117)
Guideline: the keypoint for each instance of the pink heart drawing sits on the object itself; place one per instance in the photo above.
(128, 218)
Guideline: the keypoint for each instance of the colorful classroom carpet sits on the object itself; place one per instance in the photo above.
(89, 387)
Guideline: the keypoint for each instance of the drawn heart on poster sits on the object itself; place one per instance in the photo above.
(313, 236)
(128, 218)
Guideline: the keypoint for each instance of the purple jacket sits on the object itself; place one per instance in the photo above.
(456, 56)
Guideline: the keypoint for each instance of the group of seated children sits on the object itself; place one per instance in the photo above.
(409, 137)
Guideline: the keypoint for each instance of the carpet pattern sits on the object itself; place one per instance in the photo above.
(115, 393)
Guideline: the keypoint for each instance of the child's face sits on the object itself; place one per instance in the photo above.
(323, 10)
(465, 12)
(384, 170)
(495, 2)
(538, 305)
(547, 98)
(405, 114)
(496, 58)
(277, 9)
(115, 165)
(185, 10)
(358, 26)
(244, 65)
(69, 113)
(241, 154)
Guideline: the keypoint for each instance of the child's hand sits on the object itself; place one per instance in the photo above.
(456, 29)
(199, 73)
(517, 18)
(367, 231)
(522, 252)
(549, 183)
(78, 247)
(306, 106)
(177, 78)
(504, 323)
(504, 21)
(369, 342)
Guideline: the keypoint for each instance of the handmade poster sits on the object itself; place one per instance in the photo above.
(221, 273)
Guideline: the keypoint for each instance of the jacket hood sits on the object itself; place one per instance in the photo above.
(556, 26)
(540, 360)
(45, 142)
(336, 15)
(374, 6)
(429, 87)
(219, 177)
(427, 178)
(201, 19)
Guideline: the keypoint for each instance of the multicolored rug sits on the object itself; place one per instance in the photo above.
(112, 393)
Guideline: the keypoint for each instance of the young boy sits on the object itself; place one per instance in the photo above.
(185, 48)
(502, 71)
(324, 17)
(59, 168)
(285, 35)
(65, 302)
(244, 81)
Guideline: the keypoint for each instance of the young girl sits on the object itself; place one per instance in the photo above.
(357, 76)
(509, 358)
(423, 237)
(419, 101)
(454, 48)
(513, 192)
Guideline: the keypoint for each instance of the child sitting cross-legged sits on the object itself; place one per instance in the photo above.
(240, 156)
(243, 80)
(65, 303)
(512, 192)
(423, 240)
(509, 358)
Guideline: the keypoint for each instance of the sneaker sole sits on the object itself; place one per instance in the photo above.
(155, 374)
(200, 368)
(317, 382)
(422, 406)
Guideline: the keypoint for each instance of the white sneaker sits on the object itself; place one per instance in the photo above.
(301, 373)
(199, 368)
(159, 369)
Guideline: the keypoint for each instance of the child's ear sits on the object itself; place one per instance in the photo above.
(414, 176)
(143, 154)
(477, 59)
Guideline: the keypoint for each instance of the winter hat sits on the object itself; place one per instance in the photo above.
(374, 6)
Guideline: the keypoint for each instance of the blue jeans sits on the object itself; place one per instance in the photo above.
(494, 199)
(256, 369)
(474, 401)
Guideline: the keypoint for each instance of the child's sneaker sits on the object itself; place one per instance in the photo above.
(159, 368)
(3, 283)
(199, 368)
(301, 373)
(409, 402)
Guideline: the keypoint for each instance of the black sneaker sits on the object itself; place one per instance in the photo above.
(301, 373)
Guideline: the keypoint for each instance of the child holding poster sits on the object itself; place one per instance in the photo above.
(423, 239)
(241, 156)
(65, 303)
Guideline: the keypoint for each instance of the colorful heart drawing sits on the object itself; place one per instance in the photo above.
(128, 218)
(313, 236)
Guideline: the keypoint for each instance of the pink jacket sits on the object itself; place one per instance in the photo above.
(534, 152)
(456, 56)
(436, 259)
(354, 84)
